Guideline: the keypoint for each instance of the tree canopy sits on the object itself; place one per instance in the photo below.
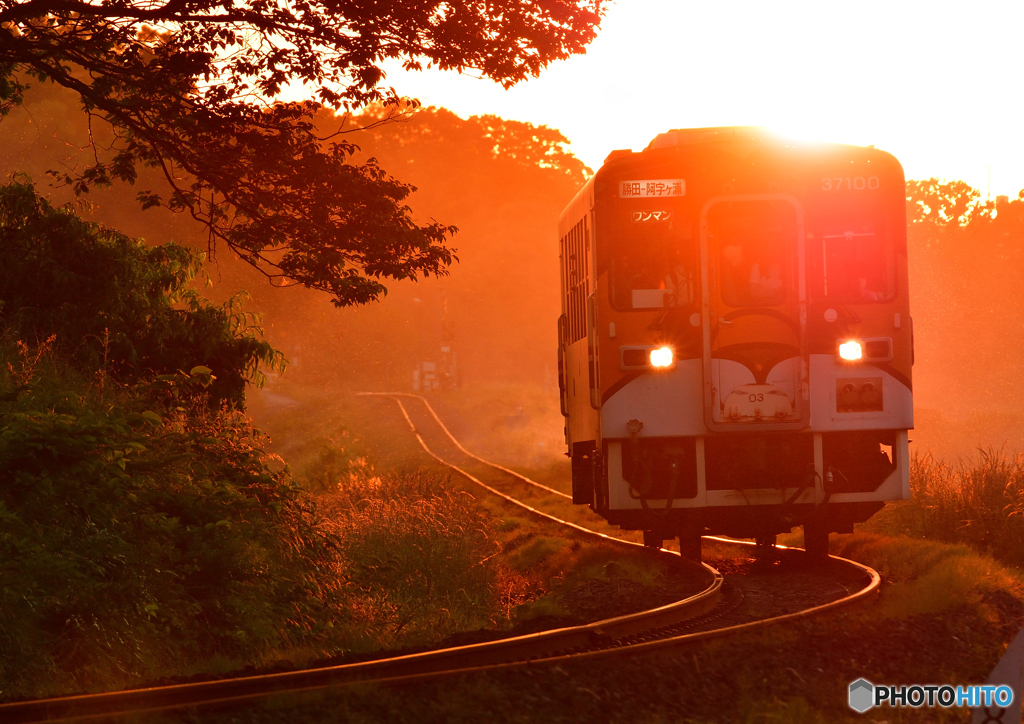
(197, 90)
(506, 183)
(943, 202)
(966, 258)
(117, 307)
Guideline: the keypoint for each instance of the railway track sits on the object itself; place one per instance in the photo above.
(748, 600)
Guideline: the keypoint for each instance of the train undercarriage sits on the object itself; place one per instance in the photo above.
(740, 485)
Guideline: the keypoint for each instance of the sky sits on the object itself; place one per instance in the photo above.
(937, 84)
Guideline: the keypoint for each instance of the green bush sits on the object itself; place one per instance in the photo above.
(135, 544)
(114, 304)
(143, 531)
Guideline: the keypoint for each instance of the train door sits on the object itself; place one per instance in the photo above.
(754, 313)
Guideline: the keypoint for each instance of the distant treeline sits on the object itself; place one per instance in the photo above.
(967, 302)
(503, 183)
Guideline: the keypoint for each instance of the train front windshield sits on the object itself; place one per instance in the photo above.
(755, 241)
(849, 247)
(851, 253)
(653, 268)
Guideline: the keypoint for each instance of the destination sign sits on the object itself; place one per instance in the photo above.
(652, 188)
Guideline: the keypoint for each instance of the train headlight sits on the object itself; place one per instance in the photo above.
(661, 357)
(851, 350)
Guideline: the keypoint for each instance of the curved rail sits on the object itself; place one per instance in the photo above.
(521, 648)
(456, 443)
(596, 640)
(532, 647)
(867, 592)
(578, 528)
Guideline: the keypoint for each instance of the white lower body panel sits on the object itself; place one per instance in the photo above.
(895, 487)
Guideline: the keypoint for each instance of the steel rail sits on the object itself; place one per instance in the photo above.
(870, 572)
(444, 428)
(866, 593)
(541, 645)
(532, 650)
(579, 528)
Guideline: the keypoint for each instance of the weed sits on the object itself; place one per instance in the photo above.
(537, 550)
(927, 576)
(979, 502)
(22, 370)
(419, 558)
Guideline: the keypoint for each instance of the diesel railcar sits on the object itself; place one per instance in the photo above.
(735, 344)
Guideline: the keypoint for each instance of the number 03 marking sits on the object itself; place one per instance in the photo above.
(855, 183)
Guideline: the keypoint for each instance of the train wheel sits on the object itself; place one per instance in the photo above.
(653, 539)
(690, 545)
(764, 548)
(816, 540)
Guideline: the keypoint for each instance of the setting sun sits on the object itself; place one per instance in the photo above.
(925, 81)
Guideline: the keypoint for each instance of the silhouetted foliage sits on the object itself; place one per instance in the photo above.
(116, 306)
(141, 527)
(504, 182)
(137, 544)
(941, 202)
(191, 88)
(966, 263)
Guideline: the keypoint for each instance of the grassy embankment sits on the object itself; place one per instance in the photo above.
(148, 539)
(145, 529)
(148, 532)
(400, 515)
(945, 614)
(953, 598)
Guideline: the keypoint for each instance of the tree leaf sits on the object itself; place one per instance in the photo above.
(203, 103)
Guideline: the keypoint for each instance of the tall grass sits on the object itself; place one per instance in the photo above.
(419, 558)
(926, 576)
(978, 501)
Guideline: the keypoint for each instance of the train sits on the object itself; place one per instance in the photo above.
(735, 344)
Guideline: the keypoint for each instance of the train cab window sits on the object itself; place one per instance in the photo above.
(653, 271)
(852, 259)
(755, 243)
(857, 265)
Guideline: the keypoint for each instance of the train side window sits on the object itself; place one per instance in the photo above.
(755, 242)
(652, 272)
(857, 263)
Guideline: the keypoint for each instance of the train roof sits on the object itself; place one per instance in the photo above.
(685, 136)
(728, 135)
(684, 141)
